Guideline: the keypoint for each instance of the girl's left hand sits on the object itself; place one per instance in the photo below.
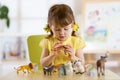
(69, 50)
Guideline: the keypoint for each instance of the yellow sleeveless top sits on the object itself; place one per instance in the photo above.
(75, 42)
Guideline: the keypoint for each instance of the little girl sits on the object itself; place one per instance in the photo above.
(62, 44)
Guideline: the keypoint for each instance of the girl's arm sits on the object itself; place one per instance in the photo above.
(78, 56)
(46, 59)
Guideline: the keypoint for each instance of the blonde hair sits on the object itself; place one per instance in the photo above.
(60, 15)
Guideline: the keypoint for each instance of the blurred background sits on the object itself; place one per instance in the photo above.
(98, 21)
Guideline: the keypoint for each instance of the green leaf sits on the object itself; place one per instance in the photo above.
(4, 14)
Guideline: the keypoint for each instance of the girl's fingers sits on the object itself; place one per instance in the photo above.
(67, 46)
(57, 45)
(69, 50)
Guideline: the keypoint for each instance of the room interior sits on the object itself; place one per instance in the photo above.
(28, 17)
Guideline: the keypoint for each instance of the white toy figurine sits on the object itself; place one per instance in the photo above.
(79, 67)
(69, 68)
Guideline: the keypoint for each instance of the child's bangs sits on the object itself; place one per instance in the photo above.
(62, 22)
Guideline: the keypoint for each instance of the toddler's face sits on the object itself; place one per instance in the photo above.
(62, 33)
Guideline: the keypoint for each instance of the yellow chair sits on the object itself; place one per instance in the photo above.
(34, 49)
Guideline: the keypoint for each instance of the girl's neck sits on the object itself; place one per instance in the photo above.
(62, 40)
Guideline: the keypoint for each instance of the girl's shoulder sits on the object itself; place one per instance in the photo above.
(44, 42)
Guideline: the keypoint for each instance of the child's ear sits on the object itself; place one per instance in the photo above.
(51, 27)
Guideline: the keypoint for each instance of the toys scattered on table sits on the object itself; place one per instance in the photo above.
(54, 68)
(78, 67)
(48, 70)
(60, 68)
(25, 68)
(101, 65)
(64, 69)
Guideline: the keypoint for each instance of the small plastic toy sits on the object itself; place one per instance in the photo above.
(48, 70)
(101, 65)
(25, 68)
(62, 70)
(79, 67)
(91, 74)
(88, 67)
(69, 67)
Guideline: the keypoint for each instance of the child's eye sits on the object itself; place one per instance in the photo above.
(57, 29)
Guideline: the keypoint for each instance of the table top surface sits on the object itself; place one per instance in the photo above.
(38, 75)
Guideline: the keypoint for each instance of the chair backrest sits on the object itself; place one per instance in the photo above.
(34, 49)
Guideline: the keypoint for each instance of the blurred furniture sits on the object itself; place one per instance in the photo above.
(34, 49)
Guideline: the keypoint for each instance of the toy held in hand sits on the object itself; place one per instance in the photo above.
(59, 47)
(25, 68)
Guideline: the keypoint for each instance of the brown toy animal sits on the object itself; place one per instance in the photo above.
(25, 68)
(101, 65)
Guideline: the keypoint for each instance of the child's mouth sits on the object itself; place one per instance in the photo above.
(61, 37)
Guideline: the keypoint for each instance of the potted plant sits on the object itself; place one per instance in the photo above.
(4, 14)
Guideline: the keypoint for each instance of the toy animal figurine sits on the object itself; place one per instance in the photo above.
(48, 70)
(25, 68)
(69, 67)
(101, 65)
(79, 67)
(62, 70)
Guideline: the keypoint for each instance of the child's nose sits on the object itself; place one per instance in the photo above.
(62, 32)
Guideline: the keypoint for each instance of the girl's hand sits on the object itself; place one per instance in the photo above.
(57, 47)
(69, 50)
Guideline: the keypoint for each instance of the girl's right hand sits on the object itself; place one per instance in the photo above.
(57, 47)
